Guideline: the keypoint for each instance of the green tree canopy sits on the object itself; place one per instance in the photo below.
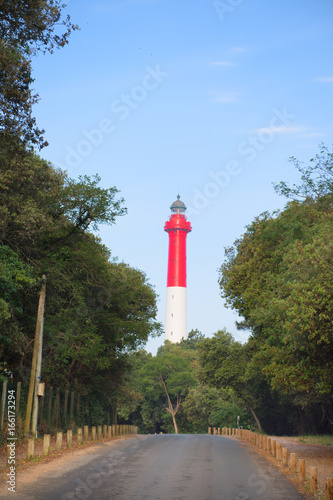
(25, 29)
(278, 276)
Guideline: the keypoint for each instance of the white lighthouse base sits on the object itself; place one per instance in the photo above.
(176, 314)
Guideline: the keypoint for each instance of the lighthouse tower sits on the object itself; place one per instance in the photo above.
(177, 227)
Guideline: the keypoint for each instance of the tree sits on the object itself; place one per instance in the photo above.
(97, 310)
(223, 363)
(25, 29)
(278, 276)
(168, 374)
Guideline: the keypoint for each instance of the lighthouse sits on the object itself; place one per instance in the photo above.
(176, 307)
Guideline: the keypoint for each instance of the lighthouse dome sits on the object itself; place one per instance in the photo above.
(178, 206)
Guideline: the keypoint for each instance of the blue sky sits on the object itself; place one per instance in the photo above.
(206, 98)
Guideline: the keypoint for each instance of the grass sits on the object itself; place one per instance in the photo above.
(326, 440)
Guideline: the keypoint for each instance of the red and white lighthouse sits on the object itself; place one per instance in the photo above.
(176, 305)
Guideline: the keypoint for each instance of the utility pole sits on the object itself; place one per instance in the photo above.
(36, 362)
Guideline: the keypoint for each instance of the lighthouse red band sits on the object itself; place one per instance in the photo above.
(176, 307)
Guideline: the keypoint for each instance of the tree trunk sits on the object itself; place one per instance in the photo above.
(255, 418)
(171, 409)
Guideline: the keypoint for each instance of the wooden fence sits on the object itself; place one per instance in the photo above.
(275, 449)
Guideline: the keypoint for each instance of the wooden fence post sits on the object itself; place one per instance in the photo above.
(109, 431)
(313, 479)
(85, 433)
(99, 432)
(93, 433)
(273, 447)
(31, 448)
(329, 488)
(79, 436)
(59, 441)
(301, 464)
(269, 442)
(105, 431)
(69, 438)
(46, 444)
(293, 462)
(285, 456)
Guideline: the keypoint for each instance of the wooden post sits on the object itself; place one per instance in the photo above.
(285, 456)
(265, 443)
(269, 443)
(35, 357)
(209, 430)
(69, 438)
(79, 436)
(329, 488)
(301, 471)
(46, 444)
(313, 479)
(99, 432)
(3, 404)
(105, 431)
(18, 398)
(273, 447)
(31, 448)
(59, 441)
(85, 433)
(293, 462)
(278, 451)
(109, 431)
(93, 433)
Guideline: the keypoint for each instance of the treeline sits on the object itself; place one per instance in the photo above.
(97, 310)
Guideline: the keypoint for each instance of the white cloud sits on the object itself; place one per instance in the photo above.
(324, 79)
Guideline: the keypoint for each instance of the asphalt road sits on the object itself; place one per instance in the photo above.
(160, 467)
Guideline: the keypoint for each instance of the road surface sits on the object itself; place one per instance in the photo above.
(157, 467)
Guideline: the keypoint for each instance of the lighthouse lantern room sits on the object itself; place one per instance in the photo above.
(176, 302)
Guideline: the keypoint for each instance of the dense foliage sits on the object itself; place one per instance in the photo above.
(278, 276)
(165, 394)
(97, 310)
(26, 28)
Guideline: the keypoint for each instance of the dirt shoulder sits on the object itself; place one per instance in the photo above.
(26, 465)
(319, 456)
